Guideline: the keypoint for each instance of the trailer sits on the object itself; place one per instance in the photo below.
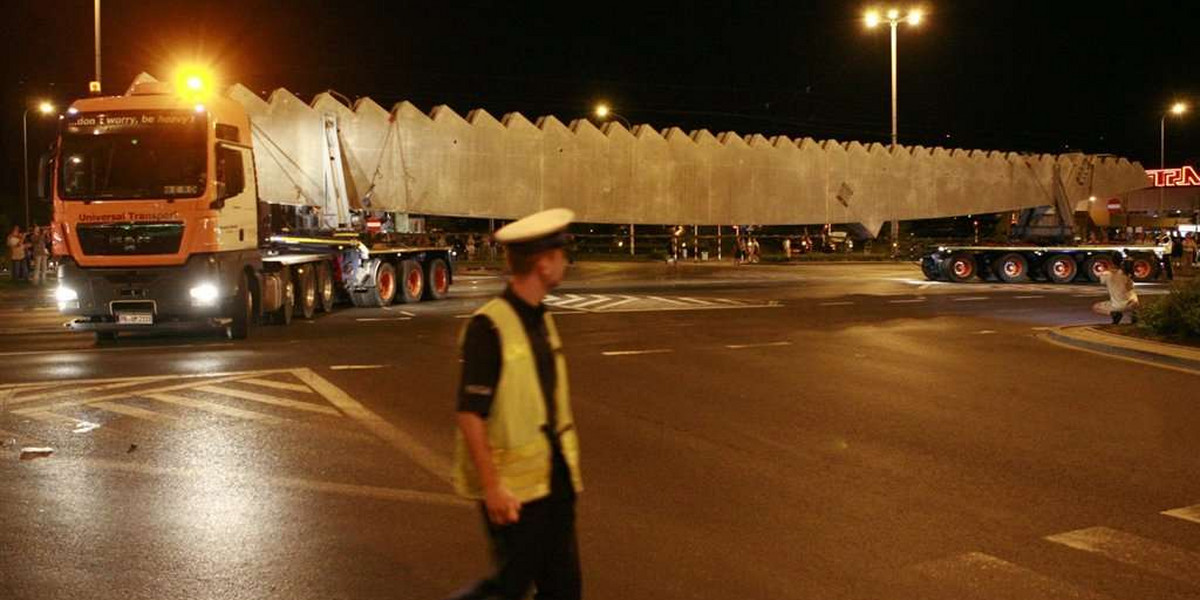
(158, 224)
(1054, 264)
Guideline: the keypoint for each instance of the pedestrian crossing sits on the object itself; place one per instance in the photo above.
(605, 303)
(983, 576)
(272, 397)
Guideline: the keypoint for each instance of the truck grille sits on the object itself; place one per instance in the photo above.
(130, 238)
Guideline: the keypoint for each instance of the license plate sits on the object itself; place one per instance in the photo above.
(135, 318)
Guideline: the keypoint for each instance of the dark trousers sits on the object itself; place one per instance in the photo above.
(539, 550)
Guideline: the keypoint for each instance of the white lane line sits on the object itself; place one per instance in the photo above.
(668, 301)
(970, 299)
(135, 412)
(279, 385)
(690, 307)
(911, 301)
(728, 301)
(213, 407)
(364, 319)
(1190, 513)
(594, 300)
(985, 332)
(463, 316)
(636, 352)
(1158, 558)
(763, 345)
(624, 300)
(407, 314)
(697, 301)
(836, 304)
(429, 460)
(979, 575)
(569, 299)
(272, 400)
(355, 367)
(1028, 297)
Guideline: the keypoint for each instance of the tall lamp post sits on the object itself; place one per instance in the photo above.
(893, 18)
(603, 112)
(45, 108)
(1176, 109)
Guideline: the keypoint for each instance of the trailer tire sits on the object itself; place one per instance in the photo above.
(325, 291)
(283, 315)
(1062, 268)
(306, 291)
(1095, 265)
(243, 311)
(1144, 268)
(1012, 268)
(412, 285)
(384, 290)
(437, 280)
(960, 267)
(929, 266)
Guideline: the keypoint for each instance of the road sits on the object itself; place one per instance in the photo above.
(818, 431)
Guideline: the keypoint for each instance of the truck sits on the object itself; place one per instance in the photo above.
(158, 225)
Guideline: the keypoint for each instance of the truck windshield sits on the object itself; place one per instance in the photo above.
(142, 155)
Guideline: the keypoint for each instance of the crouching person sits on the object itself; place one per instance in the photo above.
(1121, 297)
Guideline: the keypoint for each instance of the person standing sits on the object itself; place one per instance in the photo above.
(517, 450)
(41, 254)
(16, 253)
(1168, 248)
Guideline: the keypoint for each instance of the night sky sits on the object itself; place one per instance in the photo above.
(1043, 77)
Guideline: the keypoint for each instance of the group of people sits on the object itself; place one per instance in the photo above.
(29, 254)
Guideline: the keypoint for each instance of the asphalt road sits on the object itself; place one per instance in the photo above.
(815, 432)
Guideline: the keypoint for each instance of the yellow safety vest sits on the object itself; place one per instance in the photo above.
(521, 451)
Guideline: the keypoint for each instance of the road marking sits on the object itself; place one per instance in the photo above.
(1027, 297)
(213, 407)
(636, 352)
(210, 379)
(329, 487)
(970, 299)
(463, 316)
(912, 301)
(595, 300)
(1155, 557)
(668, 300)
(129, 349)
(272, 400)
(980, 575)
(279, 385)
(764, 345)
(695, 301)
(1190, 513)
(398, 439)
(355, 367)
(835, 304)
(135, 412)
(985, 332)
(407, 314)
(624, 300)
(368, 319)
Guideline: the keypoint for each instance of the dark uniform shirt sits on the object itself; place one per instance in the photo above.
(482, 362)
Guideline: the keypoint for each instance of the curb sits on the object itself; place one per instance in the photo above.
(1089, 338)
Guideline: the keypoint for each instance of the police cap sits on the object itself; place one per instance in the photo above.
(540, 231)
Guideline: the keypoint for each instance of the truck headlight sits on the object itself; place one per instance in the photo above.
(204, 294)
(66, 297)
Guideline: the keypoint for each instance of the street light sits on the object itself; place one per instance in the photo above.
(45, 108)
(603, 112)
(1177, 109)
(893, 17)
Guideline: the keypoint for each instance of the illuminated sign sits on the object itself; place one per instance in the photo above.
(1183, 176)
(128, 121)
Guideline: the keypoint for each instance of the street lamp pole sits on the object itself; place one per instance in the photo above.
(1176, 109)
(603, 112)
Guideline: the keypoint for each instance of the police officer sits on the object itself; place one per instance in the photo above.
(516, 447)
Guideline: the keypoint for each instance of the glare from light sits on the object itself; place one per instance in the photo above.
(72, 111)
(75, 160)
(1179, 108)
(45, 108)
(872, 18)
(602, 111)
(199, 108)
(893, 14)
(914, 17)
(194, 81)
(205, 293)
(64, 294)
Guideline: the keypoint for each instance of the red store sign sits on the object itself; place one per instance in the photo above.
(1183, 176)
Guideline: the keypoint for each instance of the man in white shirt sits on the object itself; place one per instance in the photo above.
(1121, 297)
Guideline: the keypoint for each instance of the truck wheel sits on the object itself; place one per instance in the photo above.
(384, 291)
(306, 291)
(437, 283)
(960, 267)
(1012, 268)
(283, 316)
(929, 267)
(1062, 268)
(243, 311)
(414, 281)
(1144, 269)
(325, 296)
(1095, 265)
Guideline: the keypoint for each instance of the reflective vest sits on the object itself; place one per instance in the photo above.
(521, 451)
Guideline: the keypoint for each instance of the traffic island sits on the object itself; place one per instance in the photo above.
(1109, 342)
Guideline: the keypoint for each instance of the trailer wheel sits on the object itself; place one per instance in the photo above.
(437, 283)
(306, 291)
(384, 291)
(325, 294)
(243, 311)
(1062, 268)
(929, 266)
(1012, 268)
(414, 281)
(1095, 265)
(283, 315)
(960, 267)
(1144, 269)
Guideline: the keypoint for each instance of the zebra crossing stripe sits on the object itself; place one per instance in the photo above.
(1155, 557)
(624, 300)
(1189, 513)
(668, 300)
(213, 407)
(595, 300)
(272, 400)
(700, 302)
(135, 412)
(983, 576)
(279, 385)
(77, 401)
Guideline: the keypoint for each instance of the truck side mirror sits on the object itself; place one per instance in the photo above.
(45, 177)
